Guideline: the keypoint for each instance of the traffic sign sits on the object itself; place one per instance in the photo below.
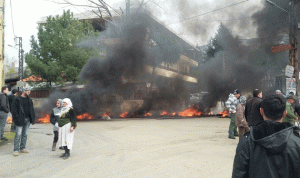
(289, 71)
(281, 48)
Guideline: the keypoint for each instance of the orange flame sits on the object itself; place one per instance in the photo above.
(107, 114)
(164, 113)
(9, 120)
(85, 116)
(172, 114)
(148, 114)
(191, 112)
(124, 115)
(224, 113)
(45, 119)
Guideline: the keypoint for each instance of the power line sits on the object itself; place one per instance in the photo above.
(210, 12)
(12, 21)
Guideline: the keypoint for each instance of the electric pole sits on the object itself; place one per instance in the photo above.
(21, 54)
(2, 74)
(293, 53)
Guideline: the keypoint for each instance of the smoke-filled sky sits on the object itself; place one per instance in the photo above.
(25, 14)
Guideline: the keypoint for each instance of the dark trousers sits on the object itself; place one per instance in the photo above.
(55, 136)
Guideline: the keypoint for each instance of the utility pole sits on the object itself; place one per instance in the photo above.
(2, 75)
(293, 53)
(21, 54)
(127, 7)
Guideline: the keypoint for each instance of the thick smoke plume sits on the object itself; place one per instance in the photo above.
(109, 78)
(105, 77)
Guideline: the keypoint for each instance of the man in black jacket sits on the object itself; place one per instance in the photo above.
(23, 114)
(4, 110)
(11, 98)
(252, 109)
(270, 149)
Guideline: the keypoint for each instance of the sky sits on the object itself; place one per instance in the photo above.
(21, 18)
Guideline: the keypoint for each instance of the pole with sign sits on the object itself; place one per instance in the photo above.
(289, 71)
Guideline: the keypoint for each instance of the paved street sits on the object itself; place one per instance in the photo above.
(194, 147)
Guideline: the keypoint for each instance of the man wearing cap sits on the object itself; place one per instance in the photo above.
(231, 104)
(23, 114)
(278, 92)
(290, 116)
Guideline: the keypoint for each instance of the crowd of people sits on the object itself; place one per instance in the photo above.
(269, 141)
(20, 105)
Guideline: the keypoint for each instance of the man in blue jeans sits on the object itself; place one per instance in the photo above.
(23, 114)
(4, 109)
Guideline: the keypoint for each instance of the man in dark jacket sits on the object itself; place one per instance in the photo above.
(4, 110)
(23, 114)
(270, 149)
(14, 94)
(252, 109)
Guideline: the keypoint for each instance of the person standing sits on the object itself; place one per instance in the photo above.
(240, 120)
(54, 118)
(23, 114)
(295, 104)
(252, 109)
(290, 116)
(231, 104)
(67, 124)
(278, 92)
(14, 94)
(4, 110)
(270, 149)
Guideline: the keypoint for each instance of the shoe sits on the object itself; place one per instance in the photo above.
(62, 155)
(24, 151)
(67, 155)
(53, 146)
(61, 148)
(16, 153)
(231, 137)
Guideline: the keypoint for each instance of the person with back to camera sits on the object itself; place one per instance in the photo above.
(252, 108)
(240, 120)
(67, 124)
(231, 104)
(271, 148)
(54, 118)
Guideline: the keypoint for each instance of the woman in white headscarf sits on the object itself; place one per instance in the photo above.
(67, 124)
(54, 118)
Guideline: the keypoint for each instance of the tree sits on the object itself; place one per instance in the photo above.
(12, 70)
(223, 40)
(56, 55)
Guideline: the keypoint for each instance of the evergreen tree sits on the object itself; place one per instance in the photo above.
(56, 55)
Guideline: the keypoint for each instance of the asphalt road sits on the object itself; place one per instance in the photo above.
(193, 147)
